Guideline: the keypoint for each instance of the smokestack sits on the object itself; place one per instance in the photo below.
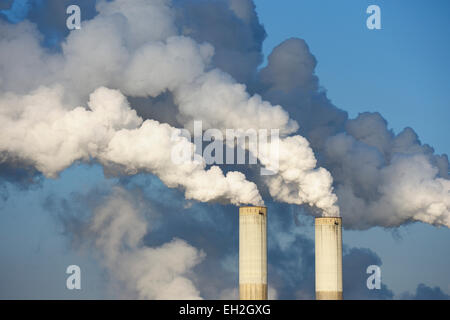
(329, 258)
(253, 253)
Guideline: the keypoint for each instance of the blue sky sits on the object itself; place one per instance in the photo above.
(401, 71)
(33, 249)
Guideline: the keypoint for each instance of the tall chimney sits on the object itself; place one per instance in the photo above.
(329, 258)
(253, 253)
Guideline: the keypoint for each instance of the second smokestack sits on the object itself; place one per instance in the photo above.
(253, 253)
(328, 258)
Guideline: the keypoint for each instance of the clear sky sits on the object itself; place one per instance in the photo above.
(401, 71)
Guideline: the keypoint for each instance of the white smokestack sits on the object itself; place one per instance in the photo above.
(253, 253)
(329, 258)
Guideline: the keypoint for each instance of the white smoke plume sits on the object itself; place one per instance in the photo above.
(147, 64)
(221, 103)
(49, 135)
(299, 181)
(117, 228)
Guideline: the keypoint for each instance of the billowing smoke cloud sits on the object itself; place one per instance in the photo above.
(388, 178)
(50, 136)
(221, 103)
(117, 229)
(380, 178)
(133, 36)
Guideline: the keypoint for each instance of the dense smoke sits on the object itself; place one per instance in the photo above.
(381, 178)
(178, 64)
(51, 136)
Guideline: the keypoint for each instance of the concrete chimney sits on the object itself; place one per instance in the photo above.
(253, 253)
(328, 258)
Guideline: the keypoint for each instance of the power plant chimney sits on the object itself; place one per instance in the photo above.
(328, 258)
(253, 253)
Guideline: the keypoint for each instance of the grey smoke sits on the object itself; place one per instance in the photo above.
(142, 215)
(118, 228)
(381, 178)
(424, 292)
